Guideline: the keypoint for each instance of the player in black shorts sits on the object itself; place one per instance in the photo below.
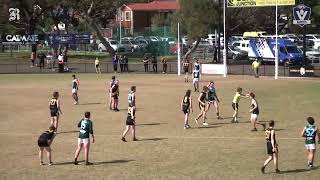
(115, 95)
(202, 105)
(55, 110)
(186, 106)
(130, 123)
(113, 80)
(44, 142)
(186, 66)
(272, 147)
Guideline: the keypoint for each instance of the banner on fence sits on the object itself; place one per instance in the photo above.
(253, 3)
(22, 38)
(301, 71)
(212, 69)
(69, 38)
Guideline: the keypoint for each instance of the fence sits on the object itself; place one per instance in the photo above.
(235, 69)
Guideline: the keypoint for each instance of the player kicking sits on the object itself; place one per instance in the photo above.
(55, 111)
(186, 106)
(272, 147)
(75, 88)
(196, 77)
(86, 128)
(202, 106)
(44, 143)
(255, 112)
(235, 104)
(310, 132)
(213, 98)
(186, 66)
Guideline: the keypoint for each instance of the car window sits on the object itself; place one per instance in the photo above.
(243, 45)
(292, 49)
(113, 42)
(236, 44)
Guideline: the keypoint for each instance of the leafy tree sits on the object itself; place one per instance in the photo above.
(197, 19)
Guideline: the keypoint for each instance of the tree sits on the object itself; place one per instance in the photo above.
(197, 18)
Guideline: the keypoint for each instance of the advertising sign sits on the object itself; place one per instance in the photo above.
(259, 3)
(301, 15)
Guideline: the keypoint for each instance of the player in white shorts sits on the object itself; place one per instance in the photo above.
(196, 77)
(75, 88)
(310, 132)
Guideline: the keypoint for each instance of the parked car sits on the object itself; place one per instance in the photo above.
(243, 45)
(152, 38)
(174, 48)
(170, 40)
(130, 45)
(236, 54)
(114, 44)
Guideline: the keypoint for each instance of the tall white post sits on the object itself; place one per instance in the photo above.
(120, 27)
(276, 59)
(224, 40)
(178, 51)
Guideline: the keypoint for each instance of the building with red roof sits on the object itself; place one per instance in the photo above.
(137, 16)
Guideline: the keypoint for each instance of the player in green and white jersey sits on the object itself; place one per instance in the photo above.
(213, 98)
(86, 129)
(310, 132)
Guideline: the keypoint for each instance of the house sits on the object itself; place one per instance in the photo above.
(136, 17)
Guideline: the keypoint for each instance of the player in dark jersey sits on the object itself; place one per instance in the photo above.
(186, 66)
(272, 147)
(254, 110)
(196, 78)
(75, 88)
(310, 133)
(186, 106)
(202, 105)
(213, 98)
(44, 143)
(130, 123)
(197, 65)
(112, 82)
(55, 111)
(115, 95)
(86, 128)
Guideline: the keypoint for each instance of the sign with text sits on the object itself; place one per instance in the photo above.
(301, 15)
(259, 3)
(22, 39)
(69, 39)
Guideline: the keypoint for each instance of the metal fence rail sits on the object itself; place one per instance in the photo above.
(172, 68)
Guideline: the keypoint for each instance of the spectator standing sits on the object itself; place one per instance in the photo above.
(97, 66)
(122, 63)
(65, 60)
(255, 67)
(145, 63)
(50, 61)
(126, 65)
(154, 64)
(42, 56)
(115, 63)
(165, 65)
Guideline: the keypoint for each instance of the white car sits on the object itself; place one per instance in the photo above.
(114, 44)
(129, 45)
(170, 40)
(243, 45)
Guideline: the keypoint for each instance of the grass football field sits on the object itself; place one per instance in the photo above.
(165, 150)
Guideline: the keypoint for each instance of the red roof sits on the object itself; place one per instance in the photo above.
(155, 5)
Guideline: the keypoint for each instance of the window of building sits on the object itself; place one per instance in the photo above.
(127, 16)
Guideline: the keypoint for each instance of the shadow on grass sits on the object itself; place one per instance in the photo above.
(90, 103)
(207, 127)
(67, 132)
(298, 170)
(153, 139)
(112, 162)
(150, 124)
(65, 163)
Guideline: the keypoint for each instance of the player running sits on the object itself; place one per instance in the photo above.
(75, 88)
(213, 98)
(272, 147)
(44, 143)
(55, 111)
(186, 106)
(310, 132)
(130, 123)
(186, 66)
(97, 66)
(197, 65)
(235, 104)
(115, 95)
(254, 110)
(86, 128)
(196, 77)
(202, 106)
